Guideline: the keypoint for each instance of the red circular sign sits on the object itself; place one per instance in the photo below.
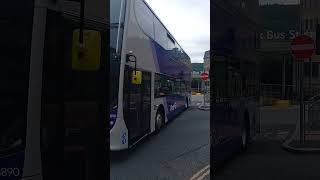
(302, 47)
(204, 76)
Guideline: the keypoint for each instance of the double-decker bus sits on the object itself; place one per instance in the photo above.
(150, 74)
(235, 82)
(53, 67)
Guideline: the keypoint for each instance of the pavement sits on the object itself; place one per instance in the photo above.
(181, 150)
(312, 137)
(197, 100)
(265, 158)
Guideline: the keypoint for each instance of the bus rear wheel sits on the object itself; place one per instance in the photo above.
(244, 137)
(187, 103)
(159, 120)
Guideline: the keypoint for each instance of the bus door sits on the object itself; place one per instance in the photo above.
(72, 97)
(137, 105)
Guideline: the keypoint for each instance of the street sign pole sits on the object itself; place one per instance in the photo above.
(302, 47)
(310, 77)
(204, 76)
(301, 103)
(205, 100)
(204, 93)
(284, 77)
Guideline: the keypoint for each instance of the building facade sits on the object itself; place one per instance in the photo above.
(280, 26)
(196, 83)
(236, 27)
(206, 66)
(309, 21)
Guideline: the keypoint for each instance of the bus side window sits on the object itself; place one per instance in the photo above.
(145, 18)
(177, 88)
(170, 87)
(163, 86)
(183, 87)
(157, 86)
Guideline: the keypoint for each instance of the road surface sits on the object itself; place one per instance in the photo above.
(265, 159)
(179, 151)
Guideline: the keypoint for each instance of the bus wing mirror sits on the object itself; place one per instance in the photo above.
(132, 58)
(136, 77)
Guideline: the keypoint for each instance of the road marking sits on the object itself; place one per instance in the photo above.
(204, 175)
(196, 176)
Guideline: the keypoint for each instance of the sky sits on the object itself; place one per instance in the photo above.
(189, 23)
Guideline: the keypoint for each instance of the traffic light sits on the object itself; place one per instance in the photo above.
(318, 40)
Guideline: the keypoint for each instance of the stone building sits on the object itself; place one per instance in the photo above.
(309, 21)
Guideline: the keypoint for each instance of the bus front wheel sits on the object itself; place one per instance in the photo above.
(187, 103)
(159, 120)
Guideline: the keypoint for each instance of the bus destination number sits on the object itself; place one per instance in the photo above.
(6, 172)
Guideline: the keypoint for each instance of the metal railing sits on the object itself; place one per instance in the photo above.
(312, 116)
(196, 90)
(276, 91)
(291, 91)
(312, 92)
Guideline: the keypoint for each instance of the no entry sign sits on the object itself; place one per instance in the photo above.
(302, 47)
(204, 76)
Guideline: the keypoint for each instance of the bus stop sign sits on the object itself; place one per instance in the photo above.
(204, 76)
(302, 47)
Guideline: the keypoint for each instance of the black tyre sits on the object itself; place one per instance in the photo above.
(244, 138)
(245, 133)
(159, 121)
(187, 103)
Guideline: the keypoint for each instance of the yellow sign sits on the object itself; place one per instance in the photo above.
(136, 77)
(86, 56)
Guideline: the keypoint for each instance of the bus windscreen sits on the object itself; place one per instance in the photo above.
(116, 31)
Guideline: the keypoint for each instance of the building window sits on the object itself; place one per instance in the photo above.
(311, 24)
(306, 24)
